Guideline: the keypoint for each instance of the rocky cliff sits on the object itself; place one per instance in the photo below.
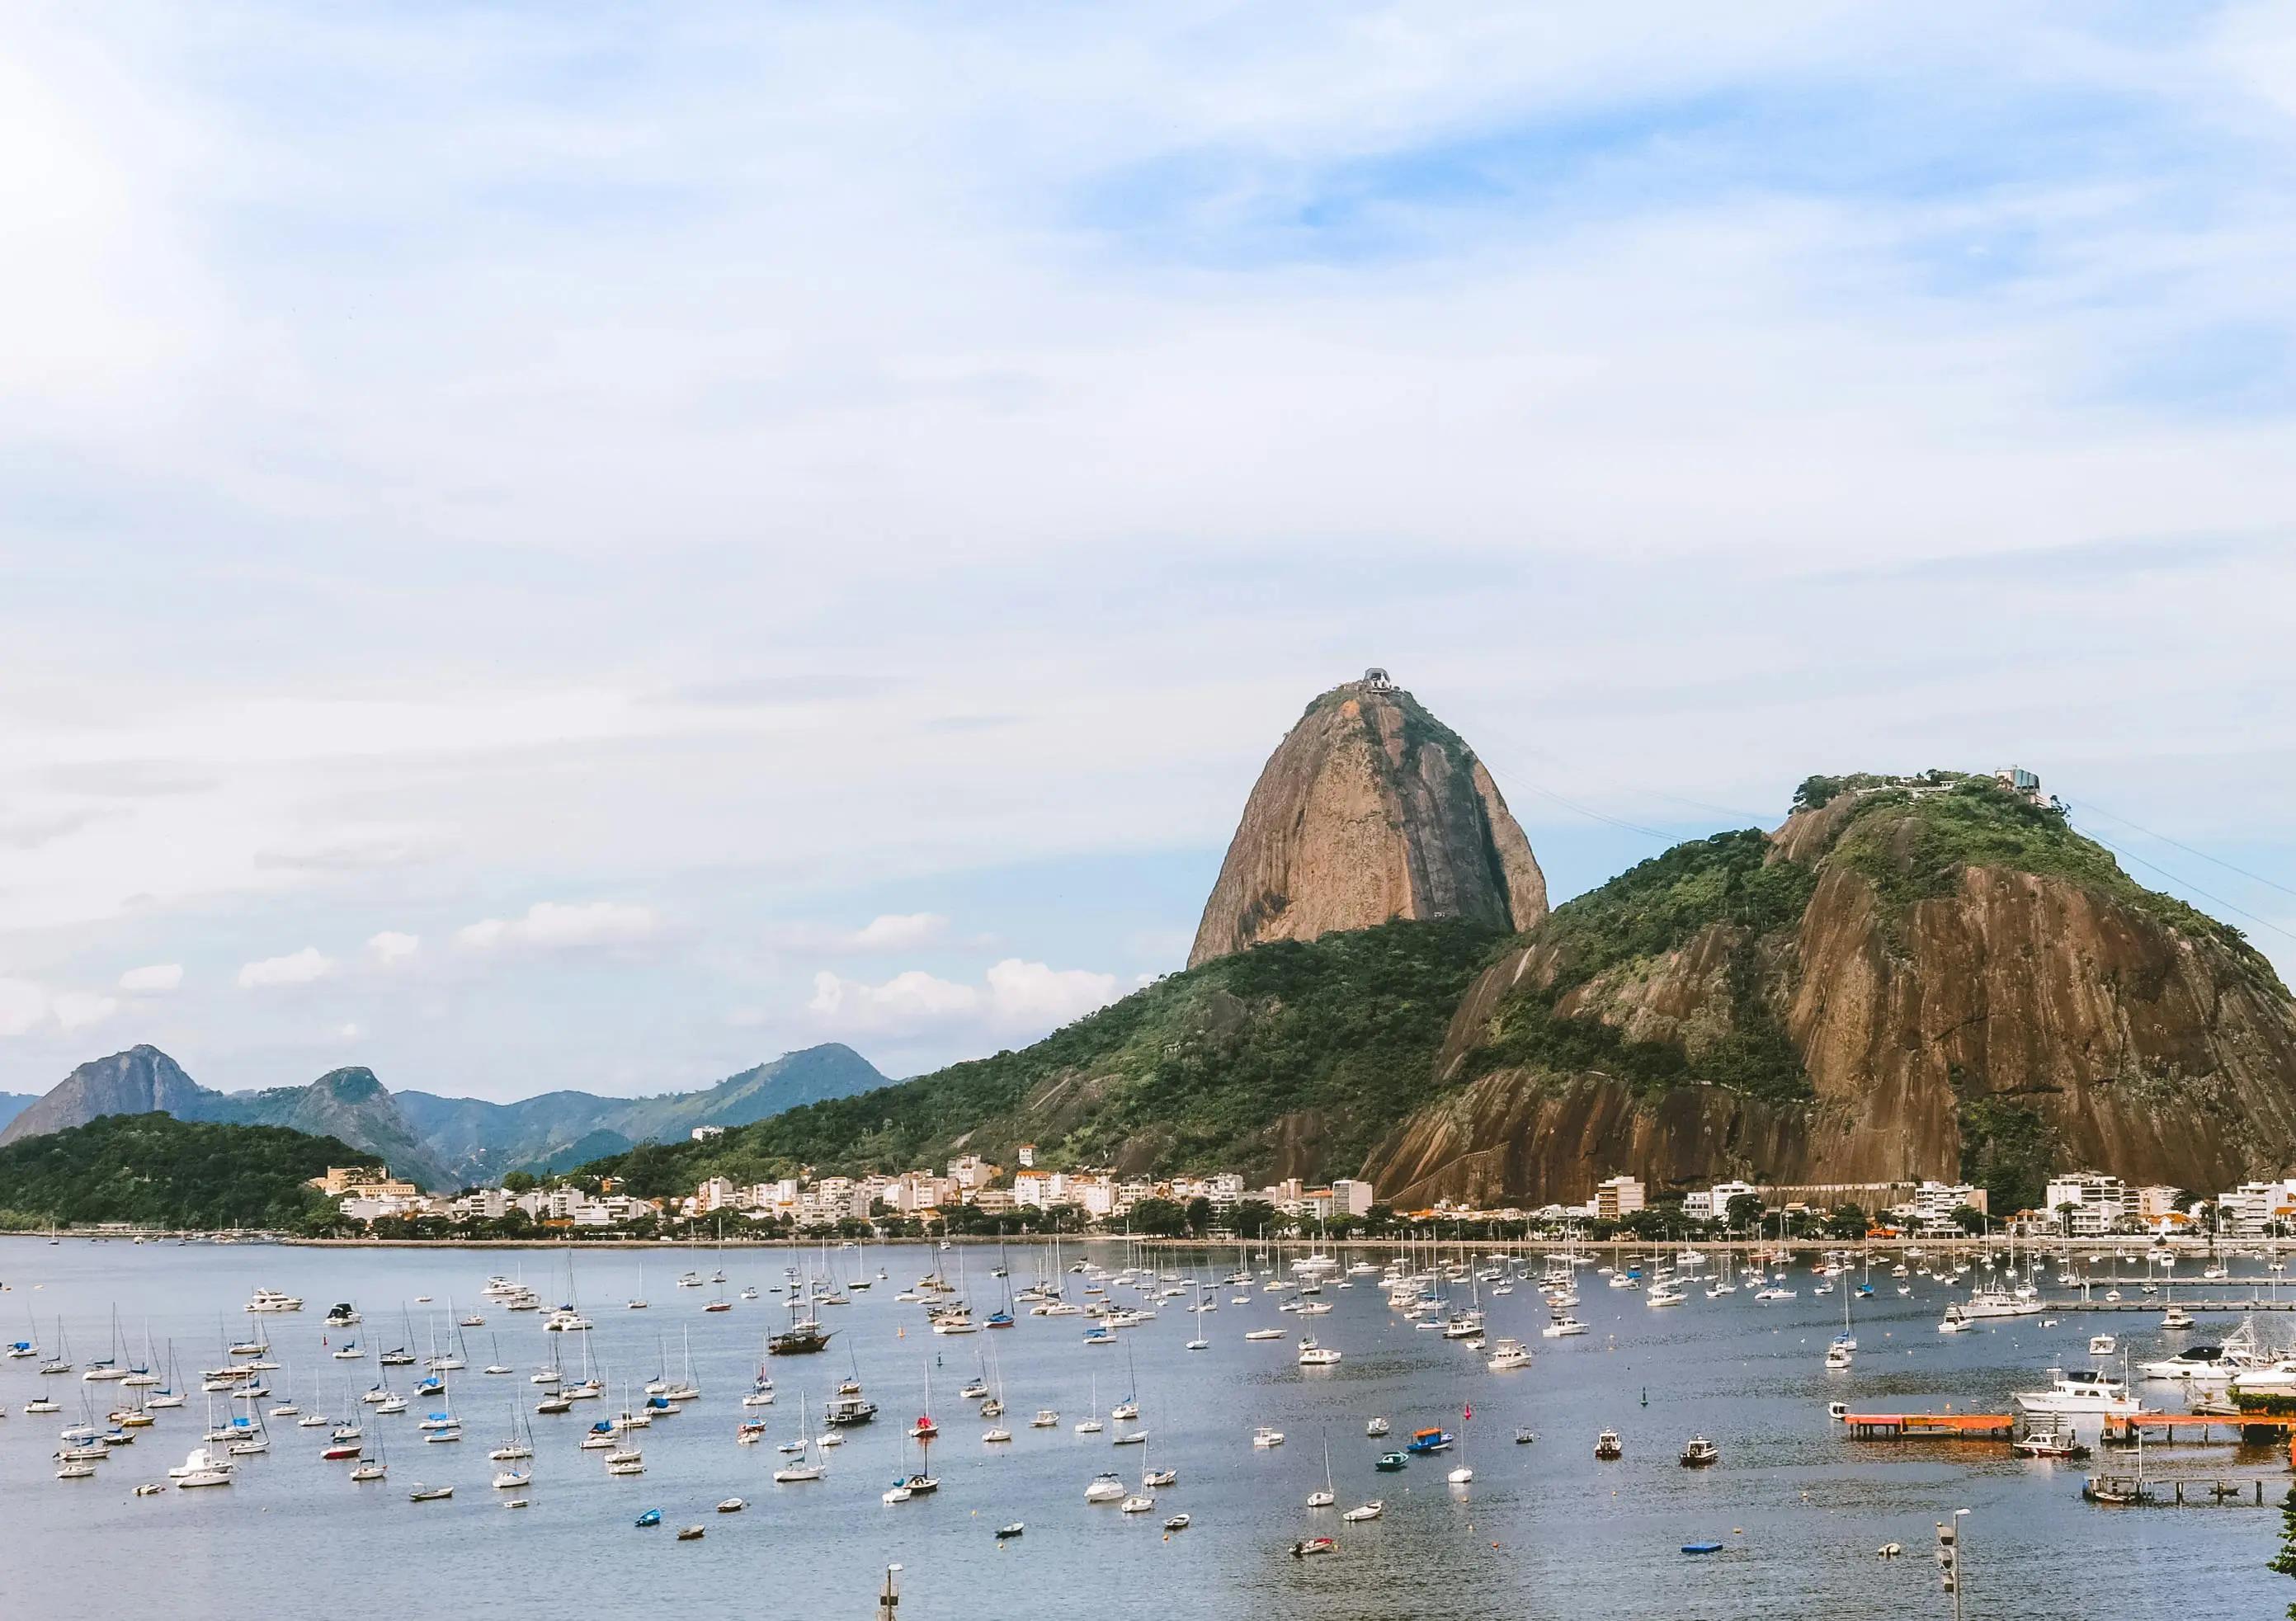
(1935, 980)
(1370, 809)
(136, 1081)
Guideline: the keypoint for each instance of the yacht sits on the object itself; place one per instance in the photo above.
(1106, 1488)
(2087, 1390)
(1994, 1300)
(274, 1300)
(1954, 1322)
(1563, 1326)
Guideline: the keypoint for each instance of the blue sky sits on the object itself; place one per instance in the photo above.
(553, 546)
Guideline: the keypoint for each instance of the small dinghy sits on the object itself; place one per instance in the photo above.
(1179, 1522)
(1005, 1533)
(1313, 1545)
(1702, 1547)
(651, 1518)
(689, 1533)
(732, 1505)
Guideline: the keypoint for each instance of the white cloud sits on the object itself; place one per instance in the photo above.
(348, 1032)
(1029, 994)
(77, 1009)
(22, 1006)
(156, 979)
(1013, 996)
(390, 947)
(296, 968)
(551, 925)
(898, 931)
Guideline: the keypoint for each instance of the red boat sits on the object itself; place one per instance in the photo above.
(350, 1451)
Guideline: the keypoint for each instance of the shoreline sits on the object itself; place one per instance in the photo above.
(2180, 1247)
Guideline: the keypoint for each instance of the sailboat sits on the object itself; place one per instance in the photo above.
(1463, 1473)
(170, 1394)
(1090, 1424)
(805, 1468)
(1325, 1498)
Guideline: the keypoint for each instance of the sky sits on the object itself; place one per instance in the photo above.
(555, 545)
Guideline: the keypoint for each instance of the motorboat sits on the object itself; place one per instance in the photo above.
(1508, 1354)
(1697, 1451)
(1995, 1300)
(1954, 1321)
(1376, 1428)
(2104, 1344)
(2085, 1390)
(274, 1300)
(1312, 1356)
(1425, 1442)
(1364, 1512)
(1563, 1326)
(1391, 1462)
(2176, 1317)
(1313, 1545)
(1105, 1488)
(1607, 1446)
(2050, 1444)
(1265, 1436)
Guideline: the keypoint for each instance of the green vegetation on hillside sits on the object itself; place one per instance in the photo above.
(1913, 847)
(155, 1170)
(1657, 907)
(1325, 1043)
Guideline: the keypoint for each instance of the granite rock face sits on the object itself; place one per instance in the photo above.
(1990, 1010)
(1370, 809)
(136, 1082)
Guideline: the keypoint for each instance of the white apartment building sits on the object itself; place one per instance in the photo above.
(2245, 1210)
(1350, 1197)
(2099, 1202)
(1713, 1204)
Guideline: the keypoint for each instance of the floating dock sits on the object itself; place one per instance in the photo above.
(1930, 1426)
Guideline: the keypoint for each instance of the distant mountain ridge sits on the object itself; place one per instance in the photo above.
(441, 1142)
(559, 1129)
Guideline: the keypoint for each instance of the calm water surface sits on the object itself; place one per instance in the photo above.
(1545, 1531)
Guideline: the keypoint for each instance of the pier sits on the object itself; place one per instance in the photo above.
(1930, 1426)
(2252, 1429)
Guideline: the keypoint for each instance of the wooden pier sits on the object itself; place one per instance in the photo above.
(2248, 1429)
(2187, 1302)
(1930, 1426)
(2178, 1493)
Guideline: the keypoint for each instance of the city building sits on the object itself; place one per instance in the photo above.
(2099, 1203)
(1621, 1196)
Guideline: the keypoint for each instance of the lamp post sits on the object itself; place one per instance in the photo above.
(1951, 1552)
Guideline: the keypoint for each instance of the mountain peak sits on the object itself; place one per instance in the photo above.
(136, 1081)
(1370, 809)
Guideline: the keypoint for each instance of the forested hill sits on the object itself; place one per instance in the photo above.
(1290, 1059)
(155, 1170)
